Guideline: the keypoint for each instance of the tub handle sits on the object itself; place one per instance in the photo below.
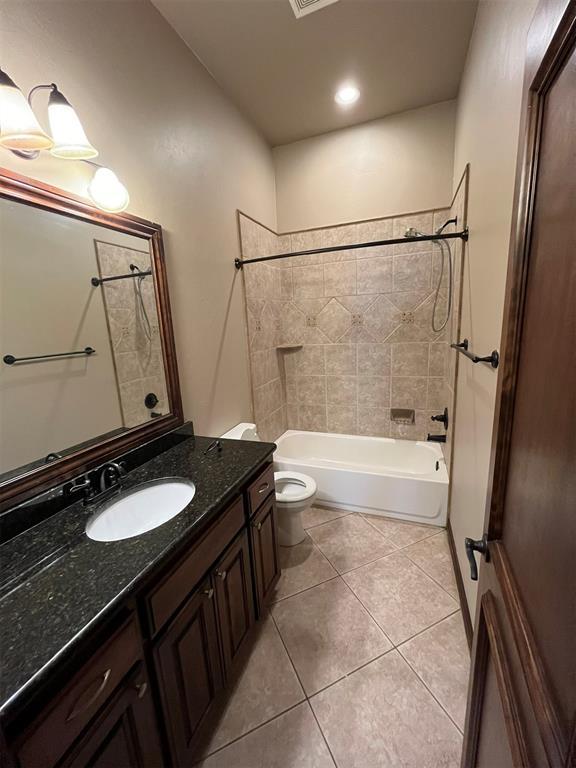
(264, 487)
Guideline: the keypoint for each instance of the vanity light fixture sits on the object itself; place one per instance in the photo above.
(22, 134)
(20, 131)
(347, 95)
(107, 191)
(70, 141)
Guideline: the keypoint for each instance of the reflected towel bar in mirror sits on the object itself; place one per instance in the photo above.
(86, 352)
(493, 358)
(96, 281)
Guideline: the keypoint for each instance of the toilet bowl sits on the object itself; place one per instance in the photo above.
(295, 492)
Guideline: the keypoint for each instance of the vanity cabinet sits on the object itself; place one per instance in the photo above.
(189, 671)
(266, 559)
(124, 733)
(235, 600)
(188, 627)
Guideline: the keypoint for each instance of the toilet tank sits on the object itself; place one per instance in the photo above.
(244, 431)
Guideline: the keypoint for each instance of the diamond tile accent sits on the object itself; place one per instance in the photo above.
(334, 320)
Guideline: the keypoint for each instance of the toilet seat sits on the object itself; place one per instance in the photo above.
(292, 487)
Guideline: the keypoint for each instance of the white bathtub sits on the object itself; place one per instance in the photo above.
(378, 475)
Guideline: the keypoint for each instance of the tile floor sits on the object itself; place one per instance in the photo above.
(362, 662)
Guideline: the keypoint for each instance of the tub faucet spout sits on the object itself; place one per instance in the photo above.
(436, 438)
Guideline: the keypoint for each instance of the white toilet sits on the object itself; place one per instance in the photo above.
(295, 492)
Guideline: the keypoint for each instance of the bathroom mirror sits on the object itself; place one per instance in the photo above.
(87, 362)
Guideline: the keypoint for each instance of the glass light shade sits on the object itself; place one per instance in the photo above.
(70, 141)
(19, 128)
(347, 95)
(107, 192)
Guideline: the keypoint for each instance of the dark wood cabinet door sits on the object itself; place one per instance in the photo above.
(264, 532)
(189, 672)
(234, 599)
(124, 735)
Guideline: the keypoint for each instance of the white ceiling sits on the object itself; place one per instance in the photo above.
(282, 72)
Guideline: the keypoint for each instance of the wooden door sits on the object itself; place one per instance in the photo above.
(187, 660)
(124, 735)
(522, 700)
(265, 553)
(234, 599)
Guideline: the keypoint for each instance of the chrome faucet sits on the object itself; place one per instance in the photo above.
(110, 475)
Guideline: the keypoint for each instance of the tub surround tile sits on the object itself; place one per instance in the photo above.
(433, 556)
(412, 272)
(327, 633)
(266, 687)
(312, 418)
(292, 740)
(381, 318)
(318, 515)
(303, 566)
(400, 597)
(308, 281)
(374, 391)
(341, 390)
(410, 359)
(334, 320)
(349, 542)
(401, 534)
(373, 421)
(340, 359)
(440, 657)
(340, 278)
(437, 393)
(374, 359)
(394, 721)
(367, 311)
(342, 419)
(409, 392)
(311, 390)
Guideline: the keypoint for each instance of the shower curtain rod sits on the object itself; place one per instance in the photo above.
(239, 263)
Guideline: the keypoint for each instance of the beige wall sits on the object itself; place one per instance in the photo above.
(187, 156)
(386, 167)
(487, 129)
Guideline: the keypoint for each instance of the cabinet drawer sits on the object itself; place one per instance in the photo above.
(55, 731)
(179, 583)
(260, 489)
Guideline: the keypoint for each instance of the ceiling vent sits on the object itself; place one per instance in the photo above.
(304, 7)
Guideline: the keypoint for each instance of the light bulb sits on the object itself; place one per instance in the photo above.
(107, 192)
(19, 128)
(347, 95)
(70, 141)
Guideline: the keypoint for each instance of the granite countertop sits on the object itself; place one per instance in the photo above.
(58, 583)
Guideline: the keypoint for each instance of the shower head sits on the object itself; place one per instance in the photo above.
(412, 232)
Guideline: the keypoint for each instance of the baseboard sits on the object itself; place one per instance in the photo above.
(460, 584)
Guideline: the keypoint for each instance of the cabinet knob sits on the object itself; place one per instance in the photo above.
(141, 688)
(222, 575)
(209, 593)
(264, 487)
(258, 526)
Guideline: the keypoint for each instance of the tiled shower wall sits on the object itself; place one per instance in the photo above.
(337, 340)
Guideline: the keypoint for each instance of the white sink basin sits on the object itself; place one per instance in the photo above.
(141, 509)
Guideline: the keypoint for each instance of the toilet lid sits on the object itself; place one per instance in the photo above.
(293, 486)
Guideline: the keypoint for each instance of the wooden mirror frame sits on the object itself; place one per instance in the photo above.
(16, 187)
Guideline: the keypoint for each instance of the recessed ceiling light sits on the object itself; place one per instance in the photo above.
(347, 95)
